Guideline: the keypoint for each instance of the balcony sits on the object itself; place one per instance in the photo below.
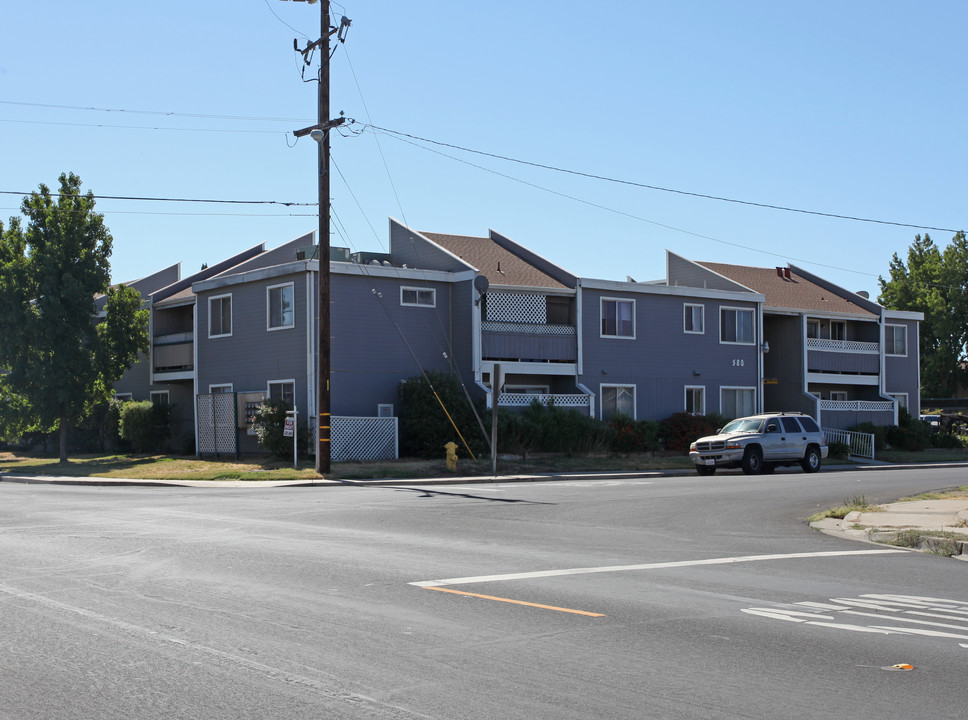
(173, 354)
(528, 342)
(847, 357)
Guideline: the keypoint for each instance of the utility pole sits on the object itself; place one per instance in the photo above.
(320, 133)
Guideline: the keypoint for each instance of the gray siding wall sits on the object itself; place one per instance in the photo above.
(784, 363)
(413, 250)
(377, 342)
(901, 373)
(686, 273)
(662, 359)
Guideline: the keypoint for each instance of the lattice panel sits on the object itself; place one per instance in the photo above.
(216, 424)
(558, 400)
(363, 438)
(517, 307)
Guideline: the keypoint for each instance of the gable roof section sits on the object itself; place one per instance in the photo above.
(793, 292)
(498, 264)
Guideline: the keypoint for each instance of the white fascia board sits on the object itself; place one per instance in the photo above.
(565, 292)
(394, 272)
(768, 310)
(293, 268)
(902, 315)
(673, 290)
(530, 368)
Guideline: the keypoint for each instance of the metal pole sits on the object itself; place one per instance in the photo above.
(496, 382)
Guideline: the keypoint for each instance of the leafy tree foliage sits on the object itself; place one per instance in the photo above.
(934, 282)
(60, 358)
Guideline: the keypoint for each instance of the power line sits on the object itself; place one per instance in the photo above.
(166, 113)
(592, 176)
(168, 199)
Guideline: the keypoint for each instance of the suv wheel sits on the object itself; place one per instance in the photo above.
(811, 460)
(753, 461)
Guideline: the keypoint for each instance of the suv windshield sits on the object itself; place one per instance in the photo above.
(743, 425)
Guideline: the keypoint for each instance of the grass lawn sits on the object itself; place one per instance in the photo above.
(163, 467)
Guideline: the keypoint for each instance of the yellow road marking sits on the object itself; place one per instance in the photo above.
(517, 602)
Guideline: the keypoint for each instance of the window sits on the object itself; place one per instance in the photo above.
(692, 319)
(901, 398)
(813, 329)
(895, 339)
(226, 388)
(280, 310)
(159, 397)
(618, 400)
(617, 318)
(838, 330)
(420, 297)
(122, 397)
(838, 395)
(284, 390)
(736, 326)
(736, 402)
(696, 399)
(220, 316)
(790, 424)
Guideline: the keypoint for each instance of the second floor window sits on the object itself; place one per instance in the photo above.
(280, 309)
(220, 316)
(895, 340)
(422, 297)
(692, 319)
(617, 318)
(736, 326)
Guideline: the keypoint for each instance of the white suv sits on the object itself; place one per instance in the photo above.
(761, 442)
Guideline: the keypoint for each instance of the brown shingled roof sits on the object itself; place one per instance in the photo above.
(498, 265)
(787, 291)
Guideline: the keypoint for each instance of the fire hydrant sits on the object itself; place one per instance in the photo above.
(451, 448)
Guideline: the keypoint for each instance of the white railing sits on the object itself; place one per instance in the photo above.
(860, 444)
(851, 346)
(576, 400)
(530, 328)
(858, 405)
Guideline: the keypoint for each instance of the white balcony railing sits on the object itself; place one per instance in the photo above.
(529, 328)
(520, 400)
(851, 346)
(858, 405)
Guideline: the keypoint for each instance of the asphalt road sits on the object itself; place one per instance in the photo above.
(662, 597)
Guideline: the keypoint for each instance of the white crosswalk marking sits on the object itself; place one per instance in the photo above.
(905, 614)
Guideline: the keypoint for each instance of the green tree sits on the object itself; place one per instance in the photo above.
(60, 356)
(934, 282)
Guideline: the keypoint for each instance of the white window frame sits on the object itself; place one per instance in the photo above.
(384, 410)
(896, 354)
(840, 324)
(160, 393)
(838, 395)
(417, 295)
(702, 398)
(222, 388)
(902, 400)
(124, 397)
(211, 300)
(601, 395)
(289, 381)
(292, 297)
(737, 310)
(736, 387)
(815, 324)
(601, 318)
(687, 309)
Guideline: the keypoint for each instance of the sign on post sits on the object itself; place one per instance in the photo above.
(290, 427)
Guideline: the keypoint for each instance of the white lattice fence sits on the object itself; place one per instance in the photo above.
(558, 400)
(217, 424)
(363, 438)
(517, 307)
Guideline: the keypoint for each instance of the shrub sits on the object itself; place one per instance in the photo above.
(516, 434)
(270, 426)
(838, 450)
(633, 436)
(101, 430)
(566, 430)
(682, 428)
(145, 426)
(425, 427)
(878, 431)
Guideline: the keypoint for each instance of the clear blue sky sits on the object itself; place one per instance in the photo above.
(851, 108)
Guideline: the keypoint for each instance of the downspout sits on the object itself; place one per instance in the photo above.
(195, 370)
